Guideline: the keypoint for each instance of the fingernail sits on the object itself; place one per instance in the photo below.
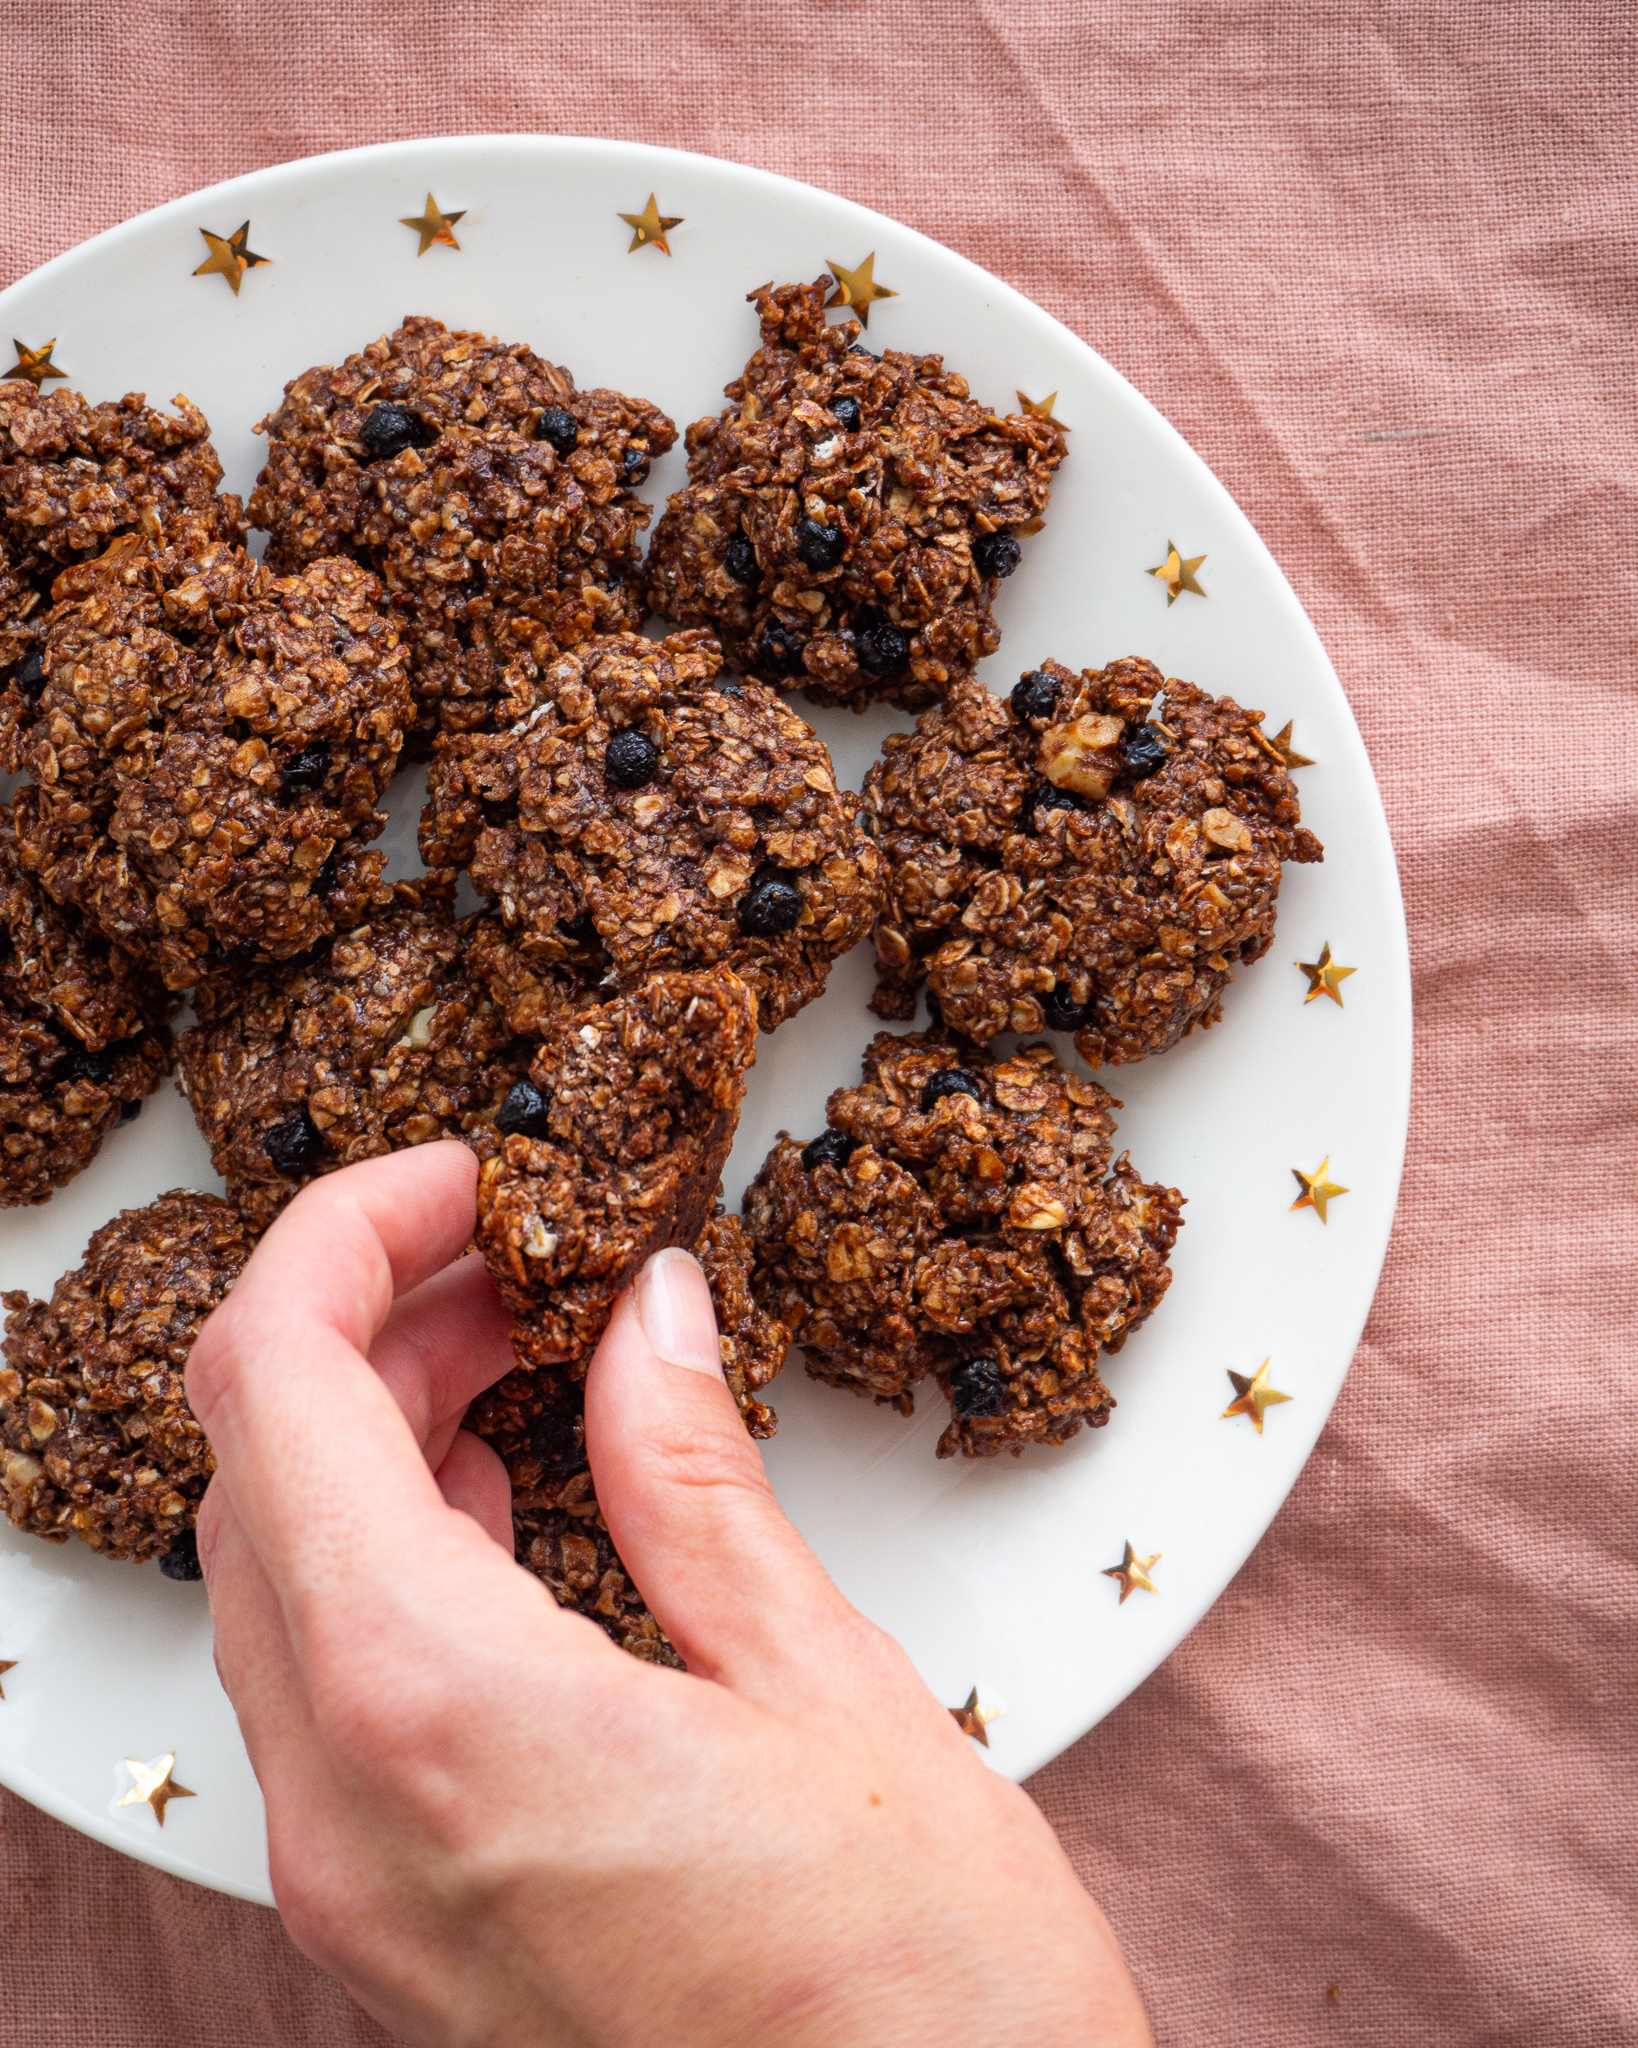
(674, 1308)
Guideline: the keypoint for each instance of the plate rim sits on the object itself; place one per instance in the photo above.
(1397, 1085)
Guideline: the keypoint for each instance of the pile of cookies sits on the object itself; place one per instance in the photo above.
(662, 865)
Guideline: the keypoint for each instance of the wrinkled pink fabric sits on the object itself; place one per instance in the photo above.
(1379, 266)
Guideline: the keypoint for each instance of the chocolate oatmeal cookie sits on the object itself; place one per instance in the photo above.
(380, 1039)
(495, 501)
(25, 599)
(646, 808)
(959, 1215)
(533, 1419)
(1096, 854)
(59, 1099)
(75, 476)
(50, 964)
(96, 1436)
(558, 1529)
(208, 745)
(82, 1036)
(121, 654)
(753, 1342)
(614, 1150)
(847, 519)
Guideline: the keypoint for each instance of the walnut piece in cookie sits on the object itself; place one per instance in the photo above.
(82, 1036)
(959, 1215)
(73, 477)
(1096, 854)
(381, 1039)
(534, 1421)
(633, 1111)
(847, 520)
(96, 1436)
(208, 747)
(666, 818)
(495, 501)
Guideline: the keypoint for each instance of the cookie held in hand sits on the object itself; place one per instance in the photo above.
(534, 1421)
(615, 1149)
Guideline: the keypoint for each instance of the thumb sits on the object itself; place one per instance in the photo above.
(688, 1505)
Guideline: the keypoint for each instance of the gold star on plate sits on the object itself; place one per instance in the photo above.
(1316, 1189)
(1281, 743)
(1255, 1395)
(6, 1664)
(974, 1720)
(1177, 574)
(433, 226)
(1041, 409)
(857, 288)
(34, 365)
(1133, 1573)
(154, 1786)
(1324, 976)
(230, 256)
(650, 228)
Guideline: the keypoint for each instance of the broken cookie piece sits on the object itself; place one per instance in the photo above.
(848, 519)
(1096, 855)
(633, 1110)
(961, 1216)
(753, 1342)
(96, 1436)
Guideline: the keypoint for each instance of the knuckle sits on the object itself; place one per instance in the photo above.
(362, 1718)
(302, 1906)
(208, 1529)
(382, 1728)
(702, 1454)
(307, 1906)
(214, 1362)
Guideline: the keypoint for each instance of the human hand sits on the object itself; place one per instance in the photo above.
(489, 1822)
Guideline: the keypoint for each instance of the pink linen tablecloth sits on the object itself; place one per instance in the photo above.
(1381, 267)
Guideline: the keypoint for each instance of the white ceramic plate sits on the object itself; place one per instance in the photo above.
(989, 1573)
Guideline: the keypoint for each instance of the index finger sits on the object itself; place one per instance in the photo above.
(324, 1471)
